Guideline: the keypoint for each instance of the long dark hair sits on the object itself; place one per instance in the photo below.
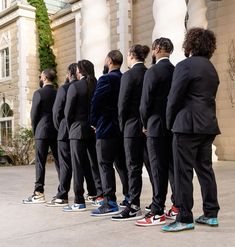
(86, 68)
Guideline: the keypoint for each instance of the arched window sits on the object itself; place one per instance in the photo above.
(6, 114)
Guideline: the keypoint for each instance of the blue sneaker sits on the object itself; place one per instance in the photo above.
(109, 208)
(75, 208)
(178, 226)
(207, 221)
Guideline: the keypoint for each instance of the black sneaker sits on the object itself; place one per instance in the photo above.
(148, 208)
(129, 213)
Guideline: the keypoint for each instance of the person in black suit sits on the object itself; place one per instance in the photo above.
(157, 83)
(81, 135)
(61, 199)
(109, 144)
(191, 115)
(44, 132)
(130, 125)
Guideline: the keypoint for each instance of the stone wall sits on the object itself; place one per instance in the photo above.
(221, 20)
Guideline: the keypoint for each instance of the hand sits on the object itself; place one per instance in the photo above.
(94, 128)
(144, 131)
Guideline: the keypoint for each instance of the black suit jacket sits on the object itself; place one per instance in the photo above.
(58, 112)
(191, 105)
(41, 113)
(129, 101)
(156, 87)
(104, 108)
(77, 110)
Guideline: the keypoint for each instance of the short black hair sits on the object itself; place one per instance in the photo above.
(116, 57)
(199, 42)
(50, 74)
(164, 44)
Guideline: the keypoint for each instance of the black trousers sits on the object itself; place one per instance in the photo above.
(81, 168)
(41, 150)
(194, 151)
(134, 162)
(147, 163)
(65, 168)
(159, 151)
(109, 152)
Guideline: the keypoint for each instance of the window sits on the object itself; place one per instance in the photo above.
(5, 124)
(5, 63)
(4, 4)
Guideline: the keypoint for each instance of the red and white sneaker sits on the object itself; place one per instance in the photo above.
(152, 220)
(172, 213)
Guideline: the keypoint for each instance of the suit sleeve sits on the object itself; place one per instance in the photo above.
(177, 93)
(58, 108)
(35, 109)
(70, 106)
(99, 99)
(124, 99)
(146, 97)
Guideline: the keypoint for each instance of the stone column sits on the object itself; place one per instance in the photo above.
(197, 14)
(124, 28)
(169, 19)
(95, 33)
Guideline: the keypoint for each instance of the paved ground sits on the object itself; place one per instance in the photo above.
(37, 225)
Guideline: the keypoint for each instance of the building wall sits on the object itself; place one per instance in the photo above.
(221, 20)
(9, 88)
(114, 36)
(65, 48)
(143, 23)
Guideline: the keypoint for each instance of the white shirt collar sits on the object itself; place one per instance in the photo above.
(135, 64)
(161, 59)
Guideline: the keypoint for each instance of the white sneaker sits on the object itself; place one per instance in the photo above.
(36, 198)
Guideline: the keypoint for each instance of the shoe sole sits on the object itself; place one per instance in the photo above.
(129, 219)
(27, 202)
(106, 214)
(203, 223)
(77, 210)
(147, 225)
(185, 229)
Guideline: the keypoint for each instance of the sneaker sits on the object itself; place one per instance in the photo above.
(129, 213)
(75, 208)
(148, 208)
(172, 213)
(98, 201)
(124, 203)
(109, 208)
(56, 202)
(89, 198)
(178, 226)
(36, 198)
(152, 220)
(207, 221)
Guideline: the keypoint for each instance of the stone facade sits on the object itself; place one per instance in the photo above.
(117, 25)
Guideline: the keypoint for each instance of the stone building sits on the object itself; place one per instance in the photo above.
(89, 29)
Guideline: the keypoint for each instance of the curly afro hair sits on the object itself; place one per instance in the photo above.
(199, 42)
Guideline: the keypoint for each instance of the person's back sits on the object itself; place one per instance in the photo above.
(105, 105)
(197, 109)
(44, 127)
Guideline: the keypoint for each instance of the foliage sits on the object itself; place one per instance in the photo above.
(20, 148)
(45, 38)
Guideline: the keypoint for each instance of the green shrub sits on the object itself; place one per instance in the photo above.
(45, 38)
(20, 149)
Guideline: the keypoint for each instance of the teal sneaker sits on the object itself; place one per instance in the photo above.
(178, 226)
(207, 221)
